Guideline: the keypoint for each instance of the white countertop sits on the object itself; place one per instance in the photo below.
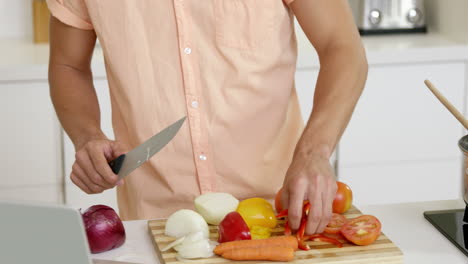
(21, 60)
(404, 224)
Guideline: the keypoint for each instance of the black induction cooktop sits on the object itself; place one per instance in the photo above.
(453, 224)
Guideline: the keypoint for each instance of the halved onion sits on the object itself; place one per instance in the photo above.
(199, 249)
(173, 244)
(215, 206)
(190, 239)
(184, 222)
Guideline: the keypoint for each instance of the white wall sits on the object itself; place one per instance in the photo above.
(16, 18)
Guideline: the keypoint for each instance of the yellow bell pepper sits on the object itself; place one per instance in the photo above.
(257, 212)
(260, 232)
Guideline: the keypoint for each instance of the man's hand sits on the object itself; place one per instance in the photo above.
(91, 171)
(310, 177)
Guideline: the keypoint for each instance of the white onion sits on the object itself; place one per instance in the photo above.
(173, 244)
(199, 249)
(190, 239)
(184, 222)
(215, 206)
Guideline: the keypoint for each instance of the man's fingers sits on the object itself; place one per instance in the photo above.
(81, 175)
(86, 164)
(329, 196)
(101, 165)
(284, 197)
(80, 184)
(326, 213)
(296, 199)
(315, 213)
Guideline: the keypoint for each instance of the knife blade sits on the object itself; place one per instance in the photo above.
(126, 163)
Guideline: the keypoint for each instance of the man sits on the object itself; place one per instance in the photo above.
(228, 65)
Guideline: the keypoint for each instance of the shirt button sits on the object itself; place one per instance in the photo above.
(202, 157)
(188, 50)
(194, 104)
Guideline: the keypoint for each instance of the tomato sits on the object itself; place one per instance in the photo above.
(343, 198)
(278, 205)
(362, 230)
(336, 223)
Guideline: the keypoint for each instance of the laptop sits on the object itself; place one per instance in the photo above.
(43, 234)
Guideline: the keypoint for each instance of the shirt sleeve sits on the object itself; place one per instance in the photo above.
(71, 12)
(288, 2)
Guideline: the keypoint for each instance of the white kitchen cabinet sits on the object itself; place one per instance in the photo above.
(30, 140)
(401, 144)
(74, 196)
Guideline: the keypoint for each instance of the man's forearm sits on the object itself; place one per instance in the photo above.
(75, 102)
(342, 76)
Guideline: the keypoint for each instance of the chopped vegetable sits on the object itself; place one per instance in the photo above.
(215, 206)
(190, 239)
(173, 244)
(184, 222)
(257, 211)
(287, 229)
(362, 230)
(283, 241)
(260, 232)
(323, 238)
(233, 227)
(283, 213)
(199, 249)
(336, 223)
(270, 253)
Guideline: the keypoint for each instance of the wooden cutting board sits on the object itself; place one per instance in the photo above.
(381, 251)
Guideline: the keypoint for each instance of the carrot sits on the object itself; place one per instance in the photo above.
(272, 253)
(284, 241)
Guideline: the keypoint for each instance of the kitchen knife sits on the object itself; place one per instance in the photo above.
(126, 163)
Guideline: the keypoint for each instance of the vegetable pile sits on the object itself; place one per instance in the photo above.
(245, 228)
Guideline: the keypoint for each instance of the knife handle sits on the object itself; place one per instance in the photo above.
(116, 164)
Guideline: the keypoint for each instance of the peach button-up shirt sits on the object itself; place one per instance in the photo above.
(228, 65)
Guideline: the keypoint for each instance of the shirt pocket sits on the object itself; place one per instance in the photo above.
(244, 24)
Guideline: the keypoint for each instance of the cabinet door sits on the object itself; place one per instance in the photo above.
(401, 141)
(75, 197)
(30, 140)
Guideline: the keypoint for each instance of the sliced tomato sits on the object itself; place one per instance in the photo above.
(362, 230)
(336, 223)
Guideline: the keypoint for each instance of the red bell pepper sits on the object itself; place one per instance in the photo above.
(233, 227)
(323, 238)
(283, 213)
(287, 229)
(303, 245)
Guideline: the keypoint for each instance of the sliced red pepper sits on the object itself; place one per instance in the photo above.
(303, 245)
(287, 229)
(306, 208)
(282, 214)
(323, 238)
(301, 231)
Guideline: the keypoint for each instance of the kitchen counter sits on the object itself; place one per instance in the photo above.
(22, 60)
(404, 224)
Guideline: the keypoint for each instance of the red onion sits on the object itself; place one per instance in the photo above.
(104, 228)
